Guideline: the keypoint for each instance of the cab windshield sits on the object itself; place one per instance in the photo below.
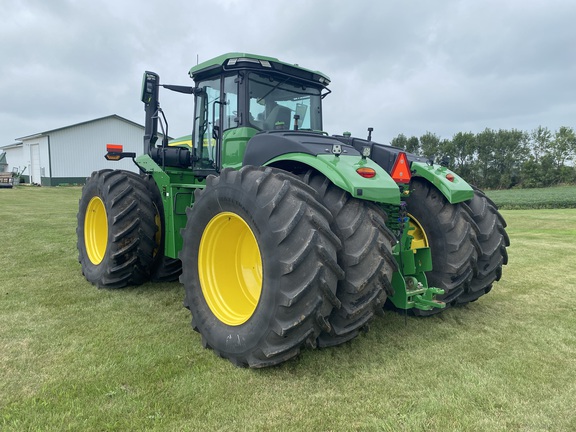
(274, 101)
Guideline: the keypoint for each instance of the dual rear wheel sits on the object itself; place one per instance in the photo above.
(467, 240)
(260, 266)
(274, 263)
(365, 256)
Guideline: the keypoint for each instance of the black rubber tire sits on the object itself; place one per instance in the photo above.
(130, 243)
(492, 241)
(164, 269)
(366, 258)
(299, 265)
(451, 239)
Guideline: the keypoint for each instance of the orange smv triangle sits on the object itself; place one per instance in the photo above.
(401, 169)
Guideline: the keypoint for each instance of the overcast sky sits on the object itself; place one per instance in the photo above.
(400, 66)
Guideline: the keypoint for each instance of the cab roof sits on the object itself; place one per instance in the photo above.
(236, 60)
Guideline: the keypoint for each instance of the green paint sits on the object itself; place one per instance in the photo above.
(411, 290)
(234, 146)
(176, 188)
(341, 170)
(455, 191)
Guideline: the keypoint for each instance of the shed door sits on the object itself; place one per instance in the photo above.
(35, 163)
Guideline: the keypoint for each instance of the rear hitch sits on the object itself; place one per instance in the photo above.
(426, 300)
(415, 295)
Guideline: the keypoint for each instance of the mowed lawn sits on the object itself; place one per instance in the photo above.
(73, 357)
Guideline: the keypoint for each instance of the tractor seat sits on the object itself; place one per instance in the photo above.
(278, 114)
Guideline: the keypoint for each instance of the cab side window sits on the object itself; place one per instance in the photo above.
(230, 116)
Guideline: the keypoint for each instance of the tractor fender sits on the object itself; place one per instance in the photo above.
(455, 190)
(452, 186)
(342, 171)
(290, 150)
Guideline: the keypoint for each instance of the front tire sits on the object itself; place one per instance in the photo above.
(259, 266)
(116, 230)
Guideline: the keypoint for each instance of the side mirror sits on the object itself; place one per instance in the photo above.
(150, 82)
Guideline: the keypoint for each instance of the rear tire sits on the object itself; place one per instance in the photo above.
(259, 266)
(492, 241)
(447, 230)
(116, 229)
(366, 258)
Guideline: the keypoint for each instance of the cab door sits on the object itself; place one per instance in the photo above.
(216, 114)
(206, 136)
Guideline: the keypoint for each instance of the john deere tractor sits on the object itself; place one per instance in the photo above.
(282, 235)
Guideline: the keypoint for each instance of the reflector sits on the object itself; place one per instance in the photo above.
(401, 169)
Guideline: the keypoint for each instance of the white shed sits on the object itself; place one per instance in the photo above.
(3, 163)
(68, 155)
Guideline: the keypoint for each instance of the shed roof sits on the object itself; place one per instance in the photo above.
(78, 124)
(10, 146)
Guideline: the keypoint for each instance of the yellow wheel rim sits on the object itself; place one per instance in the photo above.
(96, 230)
(158, 235)
(230, 268)
(420, 240)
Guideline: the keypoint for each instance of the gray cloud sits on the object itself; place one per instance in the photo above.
(400, 67)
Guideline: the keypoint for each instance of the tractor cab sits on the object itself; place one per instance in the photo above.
(236, 97)
(239, 95)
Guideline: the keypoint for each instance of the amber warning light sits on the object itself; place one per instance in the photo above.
(114, 148)
(114, 152)
(401, 169)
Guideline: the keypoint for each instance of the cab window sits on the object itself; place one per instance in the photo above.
(274, 101)
(230, 116)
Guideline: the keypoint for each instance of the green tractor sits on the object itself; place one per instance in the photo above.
(283, 236)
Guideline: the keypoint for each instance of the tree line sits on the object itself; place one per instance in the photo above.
(502, 159)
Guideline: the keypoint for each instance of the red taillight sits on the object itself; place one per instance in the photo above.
(366, 172)
(450, 177)
(401, 169)
(114, 148)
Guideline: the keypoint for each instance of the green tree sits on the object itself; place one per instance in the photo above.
(509, 152)
(413, 145)
(531, 173)
(400, 141)
(484, 150)
(430, 145)
(461, 151)
(540, 142)
(504, 158)
(551, 157)
(563, 146)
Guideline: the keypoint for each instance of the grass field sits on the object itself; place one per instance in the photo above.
(73, 357)
(549, 198)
